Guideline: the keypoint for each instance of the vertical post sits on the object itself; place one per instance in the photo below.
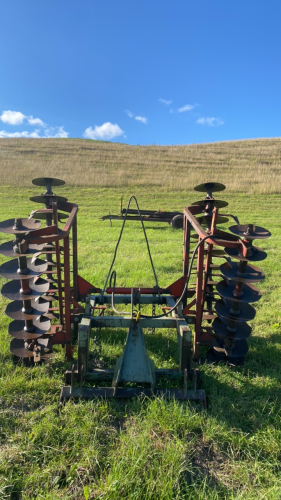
(67, 297)
(74, 259)
(185, 348)
(199, 295)
(84, 333)
(186, 244)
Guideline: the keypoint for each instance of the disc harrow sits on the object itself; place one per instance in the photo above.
(33, 249)
(237, 292)
(212, 297)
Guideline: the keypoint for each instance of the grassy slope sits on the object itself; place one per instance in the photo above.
(245, 166)
(144, 449)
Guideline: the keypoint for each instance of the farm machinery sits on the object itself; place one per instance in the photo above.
(209, 304)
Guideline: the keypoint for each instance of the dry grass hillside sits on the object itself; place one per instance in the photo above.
(251, 166)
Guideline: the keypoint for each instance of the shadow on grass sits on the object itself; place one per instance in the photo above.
(246, 397)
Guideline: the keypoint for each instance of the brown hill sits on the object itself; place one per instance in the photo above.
(252, 166)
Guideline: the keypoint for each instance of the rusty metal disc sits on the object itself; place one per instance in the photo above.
(52, 264)
(256, 255)
(38, 308)
(249, 292)
(209, 187)
(50, 297)
(243, 330)
(51, 281)
(52, 315)
(7, 249)
(17, 348)
(233, 348)
(48, 199)
(224, 310)
(250, 232)
(231, 271)
(44, 215)
(19, 226)
(44, 181)
(203, 219)
(211, 202)
(9, 269)
(17, 329)
(11, 290)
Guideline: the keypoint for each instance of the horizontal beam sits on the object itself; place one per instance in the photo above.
(123, 322)
(110, 392)
(126, 299)
(107, 374)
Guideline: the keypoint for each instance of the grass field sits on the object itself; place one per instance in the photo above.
(145, 449)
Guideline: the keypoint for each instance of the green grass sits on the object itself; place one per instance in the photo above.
(146, 449)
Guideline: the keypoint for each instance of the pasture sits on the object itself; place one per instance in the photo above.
(145, 449)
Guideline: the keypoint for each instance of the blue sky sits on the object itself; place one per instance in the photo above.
(140, 71)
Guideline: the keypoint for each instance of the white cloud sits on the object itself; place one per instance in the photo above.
(35, 121)
(52, 132)
(130, 115)
(17, 118)
(138, 118)
(141, 119)
(210, 121)
(105, 132)
(12, 117)
(4, 134)
(56, 132)
(187, 107)
(165, 102)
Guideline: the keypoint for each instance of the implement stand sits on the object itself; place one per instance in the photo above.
(134, 367)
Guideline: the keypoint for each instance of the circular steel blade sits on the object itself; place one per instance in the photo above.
(247, 312)
(251, 275)
(7, 249)
(17, 348)
(233, 348)
(209, 186)
(43, 181)
(256, 255)
(47, 199)
(51, 281)
(250, 292)
(11, 290)
(52, 315)
(14, 309)
(211, 202)
(257, 233)
(220, 328)
(9, 269)
(43, 215)
(41, 326)
(203, 219)
(26, 225)
(51, 297)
